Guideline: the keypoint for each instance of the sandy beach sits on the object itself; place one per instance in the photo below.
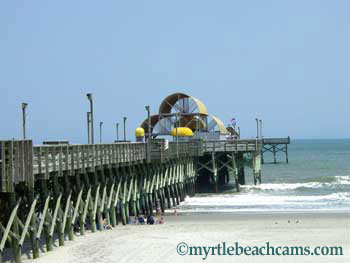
(158, 243)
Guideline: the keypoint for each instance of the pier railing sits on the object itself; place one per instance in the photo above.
(20, 161)
(162, 150)
(59, 158)
(276, 140)
(16, 164)
(231, 146)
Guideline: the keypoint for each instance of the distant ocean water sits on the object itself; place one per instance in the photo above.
(316, 178)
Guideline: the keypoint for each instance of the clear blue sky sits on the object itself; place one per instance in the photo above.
(286, 62)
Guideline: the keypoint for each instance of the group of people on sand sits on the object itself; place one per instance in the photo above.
(149, 220)
(139, 219)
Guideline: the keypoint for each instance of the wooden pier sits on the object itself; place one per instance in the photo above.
(275, 145)
(54, 192)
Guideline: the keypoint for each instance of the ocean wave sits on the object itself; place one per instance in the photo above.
(343, 179)
(330, 193)
(270, 210)
(270, 200)
(283, 186)
(337, 180)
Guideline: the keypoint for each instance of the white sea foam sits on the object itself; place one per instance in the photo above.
(284, 186)
(252, 199)
(331, 195)
(255, 202)
(343, 179)
(339, 180)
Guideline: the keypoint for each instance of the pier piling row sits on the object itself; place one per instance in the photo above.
(51, 193)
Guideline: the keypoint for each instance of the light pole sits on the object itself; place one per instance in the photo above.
(177, 139)
(148, 131)
(90, 98)
(261, 135)
(257, 128)
(148, 122)
(88, 116)
(24, 106)
(124, 128)
(117, 126)
(101, 131)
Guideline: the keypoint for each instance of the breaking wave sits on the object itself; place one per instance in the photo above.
(336, 182)
(331, 195)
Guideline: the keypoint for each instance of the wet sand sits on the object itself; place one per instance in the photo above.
(158, 243)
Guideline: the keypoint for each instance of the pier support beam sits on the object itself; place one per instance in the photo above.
(235, 171)
(241, 176)
(257, 168)
(215, 172)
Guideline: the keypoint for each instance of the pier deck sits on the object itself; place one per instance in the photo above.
(24, 162)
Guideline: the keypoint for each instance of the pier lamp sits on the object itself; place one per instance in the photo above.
(177, 139)
(117, 127)
(257, 128)
(24, 106)
(90, 98)
(124, 119)
(88, 116)
(261, 134)
(148, 130)
(101, 123)
(148, 122)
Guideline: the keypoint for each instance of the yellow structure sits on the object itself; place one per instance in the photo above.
(171, 100)
(220, 125)
(182, 132)
(139, 132)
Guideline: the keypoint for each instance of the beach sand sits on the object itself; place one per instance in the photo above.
(158, 243)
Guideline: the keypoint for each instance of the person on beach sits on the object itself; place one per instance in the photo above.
(160, 221)
(150, 220)
(106, 225)
(141, 220)
(158, 210)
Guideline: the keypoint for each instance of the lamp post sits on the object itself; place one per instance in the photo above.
(88, 116)
(101, 131)
(117, 127)
(24, 106)
(90, 98)
(257, 128)
(177, 139)
(148, 131)
(124, 128)
(148, 122)
(261, 134)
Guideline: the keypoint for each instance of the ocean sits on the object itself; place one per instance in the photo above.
(317, 178)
